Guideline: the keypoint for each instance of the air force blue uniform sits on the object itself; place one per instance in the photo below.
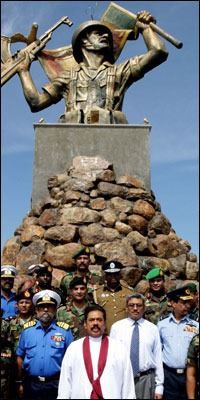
(175, 338)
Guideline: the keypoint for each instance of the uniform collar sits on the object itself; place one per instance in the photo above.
(186, 318)
(118, 288)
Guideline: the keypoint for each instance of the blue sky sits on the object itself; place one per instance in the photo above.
(167, 96)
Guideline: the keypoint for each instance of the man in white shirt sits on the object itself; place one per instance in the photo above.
(96, 366)
(149, 379)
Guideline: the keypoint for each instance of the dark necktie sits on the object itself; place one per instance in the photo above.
(134, 352)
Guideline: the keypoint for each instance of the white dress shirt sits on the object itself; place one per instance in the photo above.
(150, 350)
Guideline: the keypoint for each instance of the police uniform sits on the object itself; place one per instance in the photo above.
(113, 301)
(175, 337)
(156, 306)
(8, 305)
(42, 351)
(93, 279)
(75, 316)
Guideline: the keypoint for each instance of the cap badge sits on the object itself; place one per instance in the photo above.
(187, 291)
(46, 297)
(87, 250)
(112, 265)
(7, 272)
(161, 272)
(27, 294)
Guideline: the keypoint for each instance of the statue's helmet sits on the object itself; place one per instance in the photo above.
(80, 32)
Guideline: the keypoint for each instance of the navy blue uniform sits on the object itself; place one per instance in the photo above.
(42, 351)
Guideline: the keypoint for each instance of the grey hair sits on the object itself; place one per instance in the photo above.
(135, 296)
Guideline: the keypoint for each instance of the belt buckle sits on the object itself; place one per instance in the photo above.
(41, 378)
(180, 370)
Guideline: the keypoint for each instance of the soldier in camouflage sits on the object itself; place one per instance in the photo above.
(157, 302)
(112, 295)
(73, 312)
(6, 360)
(16, 325)
(192, 372)
(25, 314)
(82, 262)
(194, 303)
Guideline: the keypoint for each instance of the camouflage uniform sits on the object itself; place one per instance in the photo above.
(93, 280)
(114, 303)
(74, 317)
(15, 327)
(195, 314)
(156, 307)
(193, 359)
(6, 361)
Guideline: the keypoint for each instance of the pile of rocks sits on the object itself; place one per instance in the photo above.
(115, 216)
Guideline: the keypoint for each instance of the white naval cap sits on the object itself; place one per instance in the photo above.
(8, 271)
(35, 268)
(46, 297)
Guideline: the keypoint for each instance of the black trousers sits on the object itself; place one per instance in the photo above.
(34, 390)
(174, 386)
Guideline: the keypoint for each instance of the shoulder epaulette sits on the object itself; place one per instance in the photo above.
(62, 325)
(29, 324)
(163, 317)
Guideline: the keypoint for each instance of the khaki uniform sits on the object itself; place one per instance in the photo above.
(74, 317)
(114, 303)
(156, 307)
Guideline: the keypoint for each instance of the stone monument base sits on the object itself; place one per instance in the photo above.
(126, 146)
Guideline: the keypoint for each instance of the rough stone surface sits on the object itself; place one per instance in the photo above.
(115, 216)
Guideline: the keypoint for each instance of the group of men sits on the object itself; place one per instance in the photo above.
(138, 342)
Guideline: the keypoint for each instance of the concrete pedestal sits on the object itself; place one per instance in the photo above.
(126, 146)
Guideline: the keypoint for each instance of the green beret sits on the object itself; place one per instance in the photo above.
(192, 287)
(83, 251)
(155, 273)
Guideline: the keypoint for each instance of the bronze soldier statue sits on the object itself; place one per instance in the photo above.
(94, 88)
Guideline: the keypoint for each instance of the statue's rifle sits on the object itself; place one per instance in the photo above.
(10, 63)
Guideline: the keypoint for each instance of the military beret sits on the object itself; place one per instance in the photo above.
(192, 286)
(46, 297)
(83, 251)
(112, 266)
(78, 280)
(154, 273)
(43, 269)
(8, 271)
(182, 293)
(24, 294)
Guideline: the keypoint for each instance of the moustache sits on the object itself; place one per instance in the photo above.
(96, 327)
